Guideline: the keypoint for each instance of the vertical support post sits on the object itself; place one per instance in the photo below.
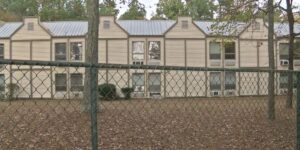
(298, 113)
(93, 101)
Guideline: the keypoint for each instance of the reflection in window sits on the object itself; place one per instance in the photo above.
(138, 51)
(215, 50)
(230, 80)
(230, 50)
(215, 81)
(2, 82)
(76, 51)
(138, 82)
(61, 82)
(284, 79)
(60, 51)
(154, 82)
(154, 50)
(76, 82)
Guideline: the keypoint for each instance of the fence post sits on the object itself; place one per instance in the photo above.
(298, 113)
(94, 106)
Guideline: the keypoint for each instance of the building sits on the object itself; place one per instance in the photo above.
(182, 42)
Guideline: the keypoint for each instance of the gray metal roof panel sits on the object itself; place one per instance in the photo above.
(7, 29)
(282, 29)
(67, 28)
(145, 27)
(221, 28)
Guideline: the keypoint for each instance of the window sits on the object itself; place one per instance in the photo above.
(61, 82)
(2, 82)
(60, 51)
(184, 24)
(255, 25)
(1, 51)
(154, 82)
(215, 50)
(30, 26)
(138, 51)
(229, 50)
(284, 79)
(284, 51)
(138, 82)
(76, 51)
(106, 24)
(76, 82)
(154, 50)
(215, 81)
(230, 80)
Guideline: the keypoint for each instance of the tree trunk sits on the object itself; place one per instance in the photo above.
(271, 100)
(289, 101)
(91, 53)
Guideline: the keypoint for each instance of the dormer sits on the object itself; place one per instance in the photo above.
(184, 28)
(256, 29)
(31, 29)
(108, 28)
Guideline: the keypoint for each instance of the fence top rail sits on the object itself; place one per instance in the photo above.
(131, 66)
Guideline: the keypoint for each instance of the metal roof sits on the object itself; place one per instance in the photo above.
(67, 28)
(7, 29)
(282, 29)
(145, 27)
(221, 28)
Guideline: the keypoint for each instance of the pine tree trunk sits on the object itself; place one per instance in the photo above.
(289, 101)
(91, 52)
(271, 100)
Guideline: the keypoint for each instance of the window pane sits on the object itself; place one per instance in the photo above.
(283, 80)
(184, 24)
(1, 51)
(230, 50)
(229, 56)
(154, 50)
(138, 79)
(60, 82)
(76, 51)
(284, 51)
(215, 81)
(76, 82)
(106, 24)
(60, 51)
(138, 48)
(2, 82)
(230, 80)
(154, 83)
(215, 50)
(215, 56)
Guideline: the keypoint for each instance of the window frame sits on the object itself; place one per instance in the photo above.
(184, 24)
(106, 24)
(138, 53)
(56, 54)
(151, 49)
(211, 80)
(227, 46)
(212, 55)
(63, 88)
(156, 86)
(76, 87)
(80, 49)
(282, 54)
(30, 26)
(231, 86)
(286, 80)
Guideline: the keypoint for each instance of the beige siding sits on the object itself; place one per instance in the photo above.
(263, 55)
(249, 83)
(196, 86)
(191, 32)
(175, 53)
(117, 51)
(248, 53)
(21, 50)
(195, 51)
(115, 31)
(38, 33)
(175, 84)
(102, 51)
(41, 84)
(249, 33)
(41, 50)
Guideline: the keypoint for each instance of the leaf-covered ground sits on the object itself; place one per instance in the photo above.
(202, 123)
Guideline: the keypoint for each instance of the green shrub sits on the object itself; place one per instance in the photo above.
(107, 91)
(127, 92)
(12, 90)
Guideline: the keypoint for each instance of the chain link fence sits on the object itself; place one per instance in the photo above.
(143, 107)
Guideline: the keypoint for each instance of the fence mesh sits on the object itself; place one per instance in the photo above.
(142, 107)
